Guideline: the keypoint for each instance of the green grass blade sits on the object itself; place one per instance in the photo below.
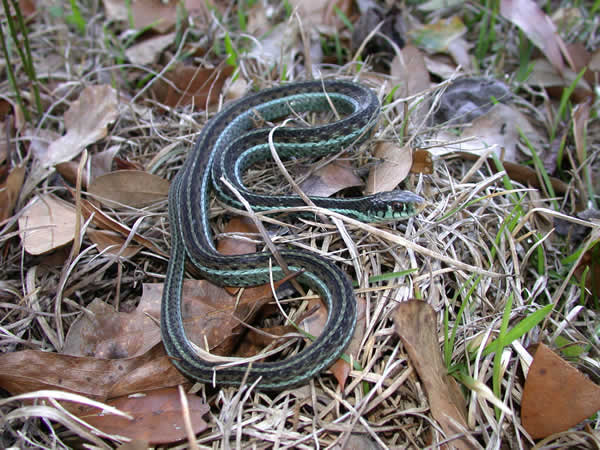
(496, 376)
(518, 330)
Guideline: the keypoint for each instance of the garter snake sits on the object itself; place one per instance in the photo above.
(226, 146)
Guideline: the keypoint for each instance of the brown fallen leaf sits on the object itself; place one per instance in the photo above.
(110, 243)
(231, 245)
(330, 179)
(32, 370)
(47, 223)
(157, 416)
(415, 322)
(255, 341)
(129, 187)
(538, 27)
(9, 192)
(409, 72)
(136, 444)
(581, 59)
(556, 396)
(103, 221)
(314, 325)
(422, 162)
(147, 51)
(86, 122)
(518, 172)
(437, 36)
(581, 115)
(158, 15)
(108, 334)
(394, 166)
(99, 164)
(545, 75)
(192, 85)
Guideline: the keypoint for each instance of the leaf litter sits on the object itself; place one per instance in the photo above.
(495, 219)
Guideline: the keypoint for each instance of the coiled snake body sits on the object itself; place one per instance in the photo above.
(225, 147)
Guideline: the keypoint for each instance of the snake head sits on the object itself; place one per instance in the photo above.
(394, 205)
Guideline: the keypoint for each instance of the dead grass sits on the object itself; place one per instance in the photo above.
(384, 404)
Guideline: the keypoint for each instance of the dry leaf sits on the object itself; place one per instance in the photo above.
(129, 187)
(136, 444)
(318, 12)
(581, 116)
(108, 334)
(232, 245)
(581, 59)
(213, 318)
(415, 322)
(459, 50)
(32, 370)
(27, 7)
(441, 65)
(315, 323)
(148, 51)
(556, 396)
(408, 69)
(9, 192)
(255, 341)
(116, 9)
(99, 164)
(110, 243)
(330, 179)
(192, 85)
(437, 36)
(157, 14)
(86, 122)
(518, 172)
(47, 223)
(538, 27)
(545, 75)
(422, 162)
(341, 369)
(499, 127)
(157, 416)
(394, 166)
(594, 63)
(409, 72)
(103, 221)
(279, 46)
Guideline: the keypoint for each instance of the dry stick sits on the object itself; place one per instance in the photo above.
(305, 46)
(187, 420)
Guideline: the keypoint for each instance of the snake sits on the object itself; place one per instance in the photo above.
(230, 142)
